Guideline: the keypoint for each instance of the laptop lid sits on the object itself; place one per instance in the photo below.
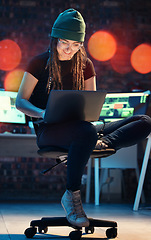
(121, 105)
(70, 105)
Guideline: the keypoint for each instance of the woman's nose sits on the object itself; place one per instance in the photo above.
(68, 48)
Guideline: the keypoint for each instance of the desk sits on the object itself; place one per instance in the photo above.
(142, 174)
(18, 145)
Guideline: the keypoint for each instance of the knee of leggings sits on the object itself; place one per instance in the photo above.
(87, 133)
(146, 120)
(146, 123)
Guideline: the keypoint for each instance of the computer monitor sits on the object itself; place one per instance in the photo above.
(121, 105)
(8, 111)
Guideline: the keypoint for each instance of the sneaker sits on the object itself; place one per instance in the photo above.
(72, 204)
(100, 145)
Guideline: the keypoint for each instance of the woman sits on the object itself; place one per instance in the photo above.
(66, 66)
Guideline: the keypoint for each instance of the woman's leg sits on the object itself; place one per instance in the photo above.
(79, 138)
(79, 153)
(126, 132)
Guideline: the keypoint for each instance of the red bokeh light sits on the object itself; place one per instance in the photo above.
(10, 55)
(102, 46)
(121, 60)
(141, 58)
(13, 79)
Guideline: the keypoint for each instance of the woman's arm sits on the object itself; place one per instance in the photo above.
(22, 101)
(90, 84)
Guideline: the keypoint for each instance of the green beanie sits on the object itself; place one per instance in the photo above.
(69, 25)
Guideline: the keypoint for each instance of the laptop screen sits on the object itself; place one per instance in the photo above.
(121, 105)
(8, 111)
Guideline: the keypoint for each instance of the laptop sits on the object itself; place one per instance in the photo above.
(73, 105)
(121, 105)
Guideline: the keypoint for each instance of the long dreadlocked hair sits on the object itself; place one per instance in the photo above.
(78, 63)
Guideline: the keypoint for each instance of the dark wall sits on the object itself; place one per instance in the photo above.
(29, 22)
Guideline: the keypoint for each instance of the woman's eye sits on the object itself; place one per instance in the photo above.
(76, 45)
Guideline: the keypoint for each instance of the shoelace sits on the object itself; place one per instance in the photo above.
(78, 209)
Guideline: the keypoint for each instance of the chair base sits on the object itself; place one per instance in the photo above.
(44, 223)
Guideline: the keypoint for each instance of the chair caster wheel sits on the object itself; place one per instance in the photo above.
(30, 232)
(89, 229)
(111, 232)
(42, 230)
(75, 235)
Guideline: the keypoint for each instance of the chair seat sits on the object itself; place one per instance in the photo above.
(61, 154)
(52, 152)
(57, 152)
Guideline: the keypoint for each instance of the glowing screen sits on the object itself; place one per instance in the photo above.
(121, 105)
(8, 111)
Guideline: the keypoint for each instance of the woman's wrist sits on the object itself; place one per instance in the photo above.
(42, 114)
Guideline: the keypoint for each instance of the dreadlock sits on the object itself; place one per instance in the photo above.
(53, 63)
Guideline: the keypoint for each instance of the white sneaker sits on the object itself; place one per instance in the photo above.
(100, 145)
(72, 204)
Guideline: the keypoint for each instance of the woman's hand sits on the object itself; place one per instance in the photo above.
(43, 114)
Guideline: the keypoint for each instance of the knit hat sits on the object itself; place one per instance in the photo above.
(69, 25)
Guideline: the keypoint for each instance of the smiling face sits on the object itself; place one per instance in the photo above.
(67, 48)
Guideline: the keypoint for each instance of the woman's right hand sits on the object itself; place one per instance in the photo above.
(43, 114)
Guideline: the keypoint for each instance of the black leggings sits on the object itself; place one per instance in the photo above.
(80, 139)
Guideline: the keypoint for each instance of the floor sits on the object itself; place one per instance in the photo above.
(16, 217)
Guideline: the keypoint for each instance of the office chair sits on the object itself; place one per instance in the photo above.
(60, 155)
